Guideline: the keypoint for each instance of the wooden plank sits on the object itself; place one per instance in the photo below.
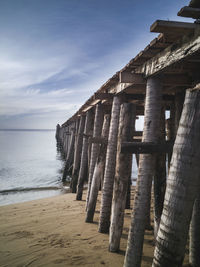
(189, 12)
(146, 147)
(180, 28)
(128, 77)
(172, 54)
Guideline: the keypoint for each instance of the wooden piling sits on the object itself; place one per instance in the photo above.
(173, 122)
(128, 195)
(77, 154)
(106, 200)
(159, 177)
(66, 137)
(122, 175)
(57, 132)
(98, 121)
(194, 234)
(145, 174)
(69, 135)
(98, 171)
(77, 122)
(182, 186)
(179, 100)
(70, 153)
(84, 156)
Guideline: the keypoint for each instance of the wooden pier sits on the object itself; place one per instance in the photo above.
(100, 139)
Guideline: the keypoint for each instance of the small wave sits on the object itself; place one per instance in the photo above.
(27, 189)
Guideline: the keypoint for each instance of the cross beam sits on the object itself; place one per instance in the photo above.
(189, 12)
(146, 147)
(173, 27)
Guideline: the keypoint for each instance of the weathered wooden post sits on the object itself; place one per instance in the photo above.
(106, 200)
(57, 132)
(60, 144)
(170, 130)
(69, 135)
(159, 177)
(98, 121)
(182, 186)
(122, 175)
(77, 153)
(84, 156)
(98, 170)
(66, 136)
(128, 195)
(145, 174)
(194, 245)
(63, 139)
(62, 134)
(173, 122)
(77, 122)
(179, 100)
(70, 153)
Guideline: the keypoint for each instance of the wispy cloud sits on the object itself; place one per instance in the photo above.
(54, 56)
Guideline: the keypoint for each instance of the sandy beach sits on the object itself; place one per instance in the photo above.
(52, 232)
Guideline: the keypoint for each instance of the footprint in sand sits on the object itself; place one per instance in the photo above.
(22, 234)
(57, 261)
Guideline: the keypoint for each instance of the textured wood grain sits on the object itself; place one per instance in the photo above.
(106, 201)
(182, 186)
(145, 175)
(122, 175)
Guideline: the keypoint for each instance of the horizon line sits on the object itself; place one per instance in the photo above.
(24, 129)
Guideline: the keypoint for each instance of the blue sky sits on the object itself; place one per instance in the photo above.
(54, 54)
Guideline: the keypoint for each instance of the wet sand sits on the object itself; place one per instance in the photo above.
(52, 232)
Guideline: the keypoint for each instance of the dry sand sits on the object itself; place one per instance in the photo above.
(52, 232)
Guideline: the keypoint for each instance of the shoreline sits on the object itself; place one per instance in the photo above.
(20, 194)
(52, 232)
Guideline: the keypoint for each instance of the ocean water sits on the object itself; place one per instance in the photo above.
(30, 166)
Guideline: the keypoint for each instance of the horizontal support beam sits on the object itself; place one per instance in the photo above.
(87, 135)
(103, 96)
(167, 79)
(171, 55)
(146, 147)
(128, 77)
(138, 133)
(189, 12)
(173, 27)
(142, 97)
(98, 140)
